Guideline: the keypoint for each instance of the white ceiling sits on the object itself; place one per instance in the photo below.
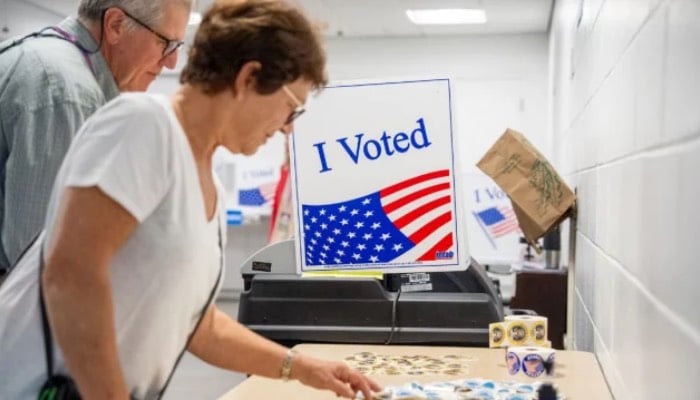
(374, 18)
(362, 18)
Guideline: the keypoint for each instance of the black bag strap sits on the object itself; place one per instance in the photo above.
(46, 327)
(60, 34)
(21, 255)
(204, 309)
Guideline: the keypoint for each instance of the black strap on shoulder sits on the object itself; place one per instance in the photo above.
(62, 35)
(43, 34)
(204, 309)
(45, 327)
(21, 40)
(48, 349)
(21, 255)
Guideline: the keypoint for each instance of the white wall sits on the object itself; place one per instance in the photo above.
(498, 81)
(22, 18)
(626, 131)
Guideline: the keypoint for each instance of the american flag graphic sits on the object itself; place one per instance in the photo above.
(498, 221)
(408, 221)
(257, 196)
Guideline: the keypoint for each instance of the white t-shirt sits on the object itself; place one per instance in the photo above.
(136, 152)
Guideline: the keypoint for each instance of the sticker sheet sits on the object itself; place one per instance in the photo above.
(378, 364)
(469, 389)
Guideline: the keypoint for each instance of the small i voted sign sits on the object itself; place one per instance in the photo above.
(373, 173)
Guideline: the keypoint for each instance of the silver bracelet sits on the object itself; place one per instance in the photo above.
(287, 364)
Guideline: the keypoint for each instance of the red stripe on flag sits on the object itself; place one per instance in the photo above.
(505, 229)
(413, 181)
(267, 190)
(444, 244)
(415, 196)
(430, 227)
(420, 211)
(508, 225)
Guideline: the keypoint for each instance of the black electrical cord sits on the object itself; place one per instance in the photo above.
(394, 316)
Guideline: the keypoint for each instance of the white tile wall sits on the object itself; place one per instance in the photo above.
(604, 301)
(682, 81)
(654, 354)
(631, 222)
(649, 63)
(612, 376)
(587, 212)
(615, 115)
(688, 244)
(633, 93)
(584, 281)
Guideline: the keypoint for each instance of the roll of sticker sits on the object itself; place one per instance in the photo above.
(508, 333)
(519, 330)
(517, 333)
(528, 360)
(535, 326)
(497, 334)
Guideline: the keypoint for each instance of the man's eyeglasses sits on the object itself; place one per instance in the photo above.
(171, 45)
(297, 111)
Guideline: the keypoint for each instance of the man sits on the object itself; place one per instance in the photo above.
(50, 84)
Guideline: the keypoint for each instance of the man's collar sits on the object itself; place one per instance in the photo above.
(102, 72)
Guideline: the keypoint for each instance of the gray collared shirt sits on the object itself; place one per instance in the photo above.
(47, 90)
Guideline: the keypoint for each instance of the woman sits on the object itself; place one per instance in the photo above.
(133, 240)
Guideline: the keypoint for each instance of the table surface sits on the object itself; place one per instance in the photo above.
(577, 374)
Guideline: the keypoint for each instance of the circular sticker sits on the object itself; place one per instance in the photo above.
(539, 331)
(513, 363)
(517, 332)
(497, 335)
(525, 388)
(533, 365)
(484, 394)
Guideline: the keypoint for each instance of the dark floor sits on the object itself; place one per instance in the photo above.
(195, 379)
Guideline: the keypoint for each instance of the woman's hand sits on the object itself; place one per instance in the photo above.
(334, 376)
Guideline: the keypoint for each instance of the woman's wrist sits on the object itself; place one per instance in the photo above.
(303, 367)
(288, 364)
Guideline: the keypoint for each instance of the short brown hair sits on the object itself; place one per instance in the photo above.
(273, 33)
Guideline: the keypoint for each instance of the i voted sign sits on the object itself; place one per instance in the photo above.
(373, 173)
(371, 149)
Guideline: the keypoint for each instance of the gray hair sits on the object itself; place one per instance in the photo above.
(149, 12)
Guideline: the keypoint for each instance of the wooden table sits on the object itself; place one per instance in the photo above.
(576, 374)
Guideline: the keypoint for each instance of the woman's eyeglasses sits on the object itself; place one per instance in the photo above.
(299, 106)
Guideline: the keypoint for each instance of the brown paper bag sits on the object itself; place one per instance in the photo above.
(539, 196)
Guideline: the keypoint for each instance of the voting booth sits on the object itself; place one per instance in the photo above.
(380, 253)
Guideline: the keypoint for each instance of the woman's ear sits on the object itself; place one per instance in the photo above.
(114, 25)
(247, 77)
